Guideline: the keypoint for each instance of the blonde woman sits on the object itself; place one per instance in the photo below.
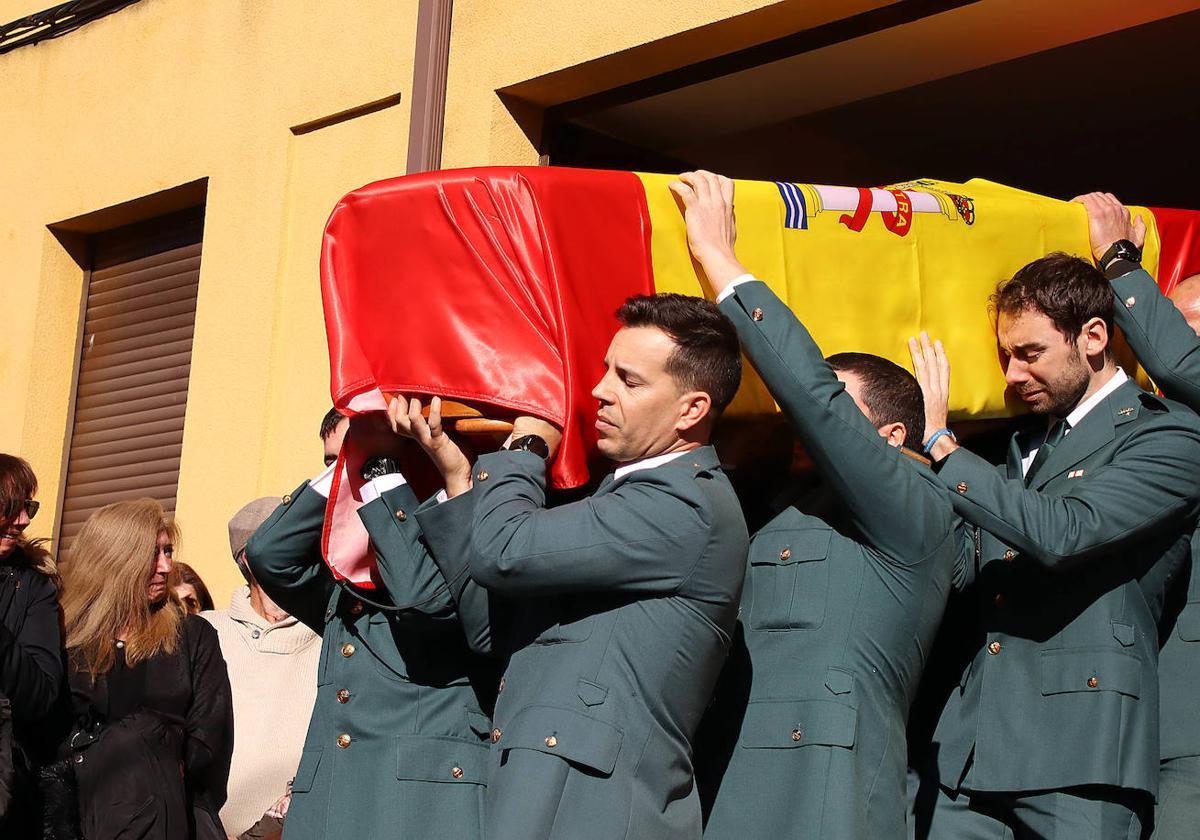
(153, 726)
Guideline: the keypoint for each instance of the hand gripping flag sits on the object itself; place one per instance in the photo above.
(497, 287)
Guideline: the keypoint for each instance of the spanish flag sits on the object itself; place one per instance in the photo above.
(498, 286)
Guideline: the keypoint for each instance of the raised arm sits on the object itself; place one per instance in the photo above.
(1153, 482)
(878, 484)
(643, 537)
(409, 574)
(1160, 336)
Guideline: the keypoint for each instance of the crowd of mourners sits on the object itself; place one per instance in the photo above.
(872, 632)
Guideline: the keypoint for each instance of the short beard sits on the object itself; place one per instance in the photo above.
(1066, 391)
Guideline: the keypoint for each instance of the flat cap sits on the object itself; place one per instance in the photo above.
(246, 521)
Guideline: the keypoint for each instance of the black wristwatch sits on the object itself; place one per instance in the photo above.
(1122, 249)
(378, 467)
(531, 443)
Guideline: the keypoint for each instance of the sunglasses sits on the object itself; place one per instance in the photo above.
(31, 507)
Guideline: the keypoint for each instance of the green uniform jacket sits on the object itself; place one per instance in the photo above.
(839, 612)
(397, 745)
(1170, 352)
(1072, 573)
(615, 613)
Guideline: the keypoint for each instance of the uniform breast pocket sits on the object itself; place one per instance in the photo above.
(789, 579)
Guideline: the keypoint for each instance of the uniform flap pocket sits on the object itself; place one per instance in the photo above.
(310, 760)
(839, 681)
(1123, 633)
(784, 724)
(425, 758)
(1188, 623)
(577, 738)
(592, 694)
(480, 723)
(1091, 669)
(785, 547)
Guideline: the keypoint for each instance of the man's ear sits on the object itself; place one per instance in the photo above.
(896, 434)
(1094, 337)
(694, 407)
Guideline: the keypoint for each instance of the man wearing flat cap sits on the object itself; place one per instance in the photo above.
(272, 659)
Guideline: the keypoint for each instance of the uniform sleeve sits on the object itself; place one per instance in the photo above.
(644, 537)
(1159, 336)
(897, 511)
(284, 555)
(1152, 482)
(208, 730)
(408, 572)
(31, 665)
(447, 531)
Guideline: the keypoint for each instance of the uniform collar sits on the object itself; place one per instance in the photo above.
(1118, 379)
(648, 463)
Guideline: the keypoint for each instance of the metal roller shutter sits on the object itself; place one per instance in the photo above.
(131, 391)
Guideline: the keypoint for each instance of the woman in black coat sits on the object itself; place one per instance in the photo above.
(153, 719)
(31, 663)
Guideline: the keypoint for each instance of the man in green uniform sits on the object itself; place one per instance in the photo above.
(614, 612)
(845, 587)
(1164, 337)
(397, 744)
(1053, 731)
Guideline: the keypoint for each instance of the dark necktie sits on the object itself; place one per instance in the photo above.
(1053, 438)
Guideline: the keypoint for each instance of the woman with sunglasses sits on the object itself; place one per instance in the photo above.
(152, 727)
(31, 665)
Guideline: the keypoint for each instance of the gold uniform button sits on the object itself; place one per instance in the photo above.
(994, 648)
(785, 554)
(401, 515)
(1093, 682)
(343, 695)
(1130, 301)
(456, 772)
(481, 475)
(287, 500)
(757, 314)
(343, 740)
(496, 733)
(347, 650)
(797, 734)
(962, 487)
(551, 742)
(356, 608)
(1010, 554)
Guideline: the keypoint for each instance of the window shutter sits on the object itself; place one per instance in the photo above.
(131, 391)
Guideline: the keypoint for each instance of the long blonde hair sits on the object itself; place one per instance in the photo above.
(104, 585)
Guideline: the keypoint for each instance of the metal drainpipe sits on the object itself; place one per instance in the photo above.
(432, 60)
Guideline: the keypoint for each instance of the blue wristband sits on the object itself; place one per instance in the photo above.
(936, 436)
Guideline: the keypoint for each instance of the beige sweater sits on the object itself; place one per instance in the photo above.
(273, 673)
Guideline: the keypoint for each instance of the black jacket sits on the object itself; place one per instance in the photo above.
(31, 683)
(152, 743)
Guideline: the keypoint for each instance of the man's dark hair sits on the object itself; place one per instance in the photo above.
(891, 393)
(330, 422)
(1068, 290)
(707, 356)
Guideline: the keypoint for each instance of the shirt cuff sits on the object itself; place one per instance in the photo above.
(376, 487)
(733, 284)
(323, 483)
